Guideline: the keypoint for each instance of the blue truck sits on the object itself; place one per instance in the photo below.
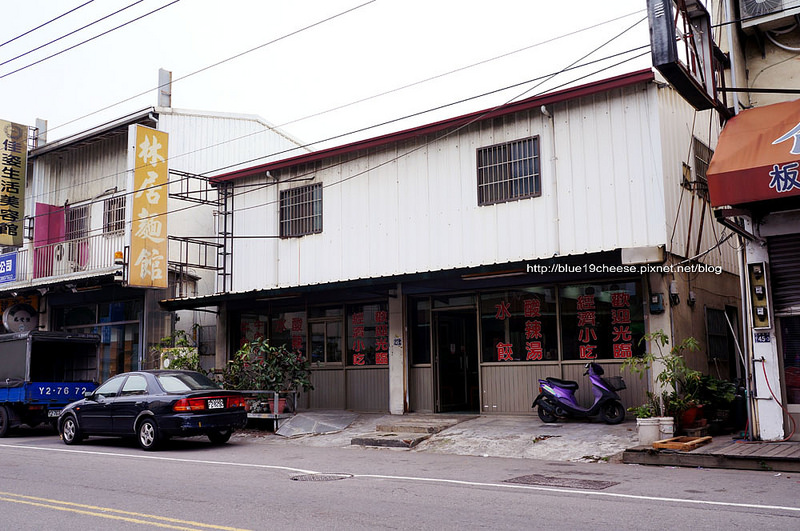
(41, 372)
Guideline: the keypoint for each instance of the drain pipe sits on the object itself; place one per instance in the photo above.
(554, 194)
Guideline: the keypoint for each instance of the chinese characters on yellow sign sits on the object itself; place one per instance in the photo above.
(13, 166)
(148, 258)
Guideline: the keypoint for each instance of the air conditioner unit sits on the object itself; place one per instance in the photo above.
(767, 14)
(61, 264)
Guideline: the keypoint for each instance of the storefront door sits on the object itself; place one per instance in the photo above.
(456, 360)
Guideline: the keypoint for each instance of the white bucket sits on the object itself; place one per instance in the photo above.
(666, 427)
(648, 430)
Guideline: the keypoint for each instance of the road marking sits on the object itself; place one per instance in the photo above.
(584, 492)
(106, 512)
(159, 458)
(427, 480)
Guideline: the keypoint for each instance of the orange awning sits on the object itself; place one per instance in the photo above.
(757, 157)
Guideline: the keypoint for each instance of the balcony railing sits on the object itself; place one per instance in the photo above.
(69, 258)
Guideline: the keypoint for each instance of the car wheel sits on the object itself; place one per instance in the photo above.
(220, 436)
(3, 421)
(147, 435)
(70, 431)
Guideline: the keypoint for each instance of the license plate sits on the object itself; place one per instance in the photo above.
(216, 403)
(53, 412)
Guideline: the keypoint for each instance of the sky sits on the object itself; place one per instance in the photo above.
(303, 64)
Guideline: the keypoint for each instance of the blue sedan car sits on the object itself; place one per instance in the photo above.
(153, 406)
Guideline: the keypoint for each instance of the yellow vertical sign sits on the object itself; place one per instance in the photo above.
(148, 258)
(13, 168)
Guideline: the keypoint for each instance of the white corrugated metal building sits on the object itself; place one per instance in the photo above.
(78, 208)
(448, 266)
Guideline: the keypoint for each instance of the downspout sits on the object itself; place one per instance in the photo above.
(554, 194)
(729, 21)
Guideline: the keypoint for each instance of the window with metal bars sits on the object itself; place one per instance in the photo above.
(702, 158)
(77, 223)
(509, 171)
(301, 211)
(114, 215)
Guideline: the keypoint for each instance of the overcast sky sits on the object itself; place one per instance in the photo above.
(379, 47)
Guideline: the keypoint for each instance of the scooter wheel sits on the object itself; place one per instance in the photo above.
(545, 415)
(612, 412)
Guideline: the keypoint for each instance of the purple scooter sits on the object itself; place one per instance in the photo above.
(557, 398)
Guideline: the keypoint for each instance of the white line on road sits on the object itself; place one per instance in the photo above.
(426, 480)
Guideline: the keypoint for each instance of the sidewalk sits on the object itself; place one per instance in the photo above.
(524, 437)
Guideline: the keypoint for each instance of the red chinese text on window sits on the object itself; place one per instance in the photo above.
(382, 343)
(587, 319)
(585, 335)
(503, 310)
(358, 331)
(358, 344)
(297, 324)
(358, 359)
(621, 316)
(382, 330)
(621, 333)
(297, 342)
(533, 329)
(586, 302)
(358, 318)
(280, 326)
(533, 350)
(381, 316)
(620, 299)
(382, 358)
(532, 308)
(587, 352)
(622, 350)
(505, 352)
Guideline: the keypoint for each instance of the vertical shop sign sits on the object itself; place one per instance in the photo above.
(505, 351)
(358, 339)
(382, 337)
(297, 333)
(13, 169)
(621, 336)
(532, 311)
(587, 323)
(148, 266)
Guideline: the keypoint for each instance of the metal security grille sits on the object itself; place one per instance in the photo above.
(77, 223)
(784, 268)
(301, 211)
(509, 171)
(114, 215)
(702, 158)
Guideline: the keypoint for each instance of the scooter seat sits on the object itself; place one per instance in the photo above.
(566, 384)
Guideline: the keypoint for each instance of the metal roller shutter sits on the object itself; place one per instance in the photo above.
(784, 268)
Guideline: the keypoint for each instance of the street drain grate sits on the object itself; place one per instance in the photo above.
(320, 477)
(549, 481)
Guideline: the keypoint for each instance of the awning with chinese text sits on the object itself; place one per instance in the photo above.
(757, 157)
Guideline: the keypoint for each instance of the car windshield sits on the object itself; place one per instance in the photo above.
(179, 382)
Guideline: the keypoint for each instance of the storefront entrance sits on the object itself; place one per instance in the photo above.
(456, 360)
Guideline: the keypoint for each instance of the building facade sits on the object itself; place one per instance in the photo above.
(754, 189)
(91, 198)
(449, 266)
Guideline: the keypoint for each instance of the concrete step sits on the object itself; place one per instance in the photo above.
(389, 439)
(416, 425)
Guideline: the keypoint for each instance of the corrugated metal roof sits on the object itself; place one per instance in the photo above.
(531, 103)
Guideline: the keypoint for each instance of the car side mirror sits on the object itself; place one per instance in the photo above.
(89, 395)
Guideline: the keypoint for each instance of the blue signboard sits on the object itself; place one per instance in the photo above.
(8, 267)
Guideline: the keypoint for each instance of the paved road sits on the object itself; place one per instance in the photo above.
(247, 484)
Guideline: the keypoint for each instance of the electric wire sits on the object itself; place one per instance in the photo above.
(88, 40)
(70, 33)
(382, 124)
(218, 63)
(40, 26)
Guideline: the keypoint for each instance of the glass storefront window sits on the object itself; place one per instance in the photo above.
(420, 327)
(367, 334)
(289, 328)
(602, 321)
(519, 325)
(326, 342)
(252, 327)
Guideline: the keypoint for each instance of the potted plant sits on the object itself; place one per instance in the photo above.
(679, 382)
(259, 366)
(178, 352)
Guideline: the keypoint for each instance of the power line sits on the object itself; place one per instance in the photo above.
(70, 33)
(278, 39)
(89, 40)
(46, 23)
